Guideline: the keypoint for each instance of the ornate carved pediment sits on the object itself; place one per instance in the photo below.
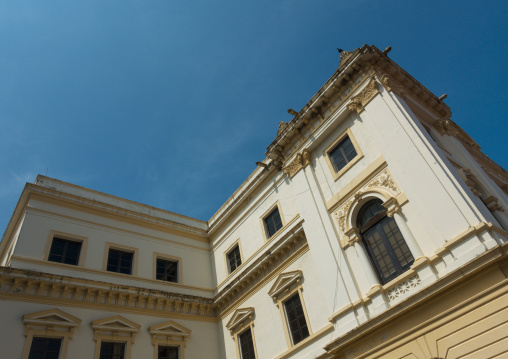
(383, 183)
(240, 317)
(284, 282)
(359, 101)
(302, 159)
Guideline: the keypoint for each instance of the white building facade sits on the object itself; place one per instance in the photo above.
(374, 227)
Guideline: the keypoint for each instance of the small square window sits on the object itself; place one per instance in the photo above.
(342, 154)
(273, 222)
(166, 352)
(120, 261)
(112, 350)
(296, 319)
(234, 259)
(167, 270)
(64, 251)
(47, 348)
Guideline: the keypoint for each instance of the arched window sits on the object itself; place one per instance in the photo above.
(384, 242)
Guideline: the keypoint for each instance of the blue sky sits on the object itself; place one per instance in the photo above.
(170, 103)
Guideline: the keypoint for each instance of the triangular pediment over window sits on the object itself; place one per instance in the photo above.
(170, 328)
(240, 317)
(117, 325)
(283, 282)
(53, 317)
(169, 332)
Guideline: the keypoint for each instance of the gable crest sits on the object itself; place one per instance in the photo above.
(283, 282)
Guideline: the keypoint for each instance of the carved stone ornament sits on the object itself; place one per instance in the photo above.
(302, 160)
(450, 128)
(344, 55)
(282, 126)
(382, 182)
(471, 181)
(404, 287)
(493, 204)
(391, 85)
(359, 101)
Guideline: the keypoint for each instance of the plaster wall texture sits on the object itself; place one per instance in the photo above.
(38, 228)
(203, 342)
(268, 323)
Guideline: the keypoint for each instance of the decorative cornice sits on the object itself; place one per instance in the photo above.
(493, 205)
(25, 285)
(359, 101)
(391, 85)
(301, 161)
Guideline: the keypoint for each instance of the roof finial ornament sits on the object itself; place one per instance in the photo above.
(292, 112)
(343, 55)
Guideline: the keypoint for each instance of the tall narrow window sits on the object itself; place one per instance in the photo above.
(45, 348)
(384, 242)
(296, 319)
(342, 154)
(112, 350)
(64, 251)
(167, 270)
(234, 259)
(166, 352)
(273, 222)
(120, 261)
(247, 345)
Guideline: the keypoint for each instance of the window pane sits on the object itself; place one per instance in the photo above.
(247, 345)
(342, 154)
(234, 259)
(120, 261)
(167, 270)
(166, 352)
(111, 350)
(296, 319)
(45, 348)
(64, 251)
(273, 222)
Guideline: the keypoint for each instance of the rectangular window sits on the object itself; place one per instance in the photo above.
(165, 352)
(234, 259)
(45, 348)
(273, 222)
(342, 154)
(247, 345)
(167, 270)
(120, 261)
(296, 319)
(112, 350)
(64, 251)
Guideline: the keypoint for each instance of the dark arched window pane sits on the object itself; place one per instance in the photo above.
(384, 242)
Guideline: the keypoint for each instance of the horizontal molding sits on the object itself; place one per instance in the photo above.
(32, 286)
